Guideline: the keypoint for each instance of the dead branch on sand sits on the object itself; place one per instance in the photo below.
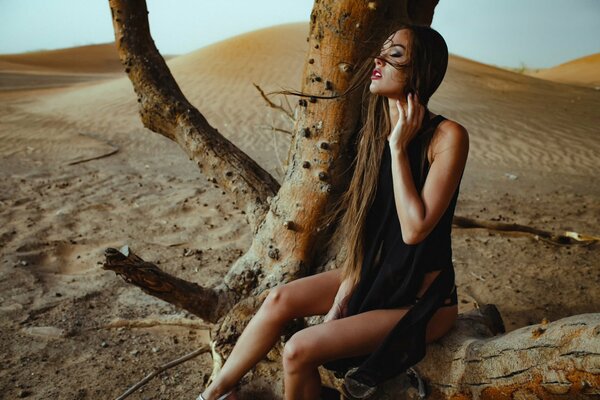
(568, 238)
(162, 368)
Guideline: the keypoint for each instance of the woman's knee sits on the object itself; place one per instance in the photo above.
(298, 352)
(276, 304)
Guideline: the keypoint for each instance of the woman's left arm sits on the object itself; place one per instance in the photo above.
(419, 213)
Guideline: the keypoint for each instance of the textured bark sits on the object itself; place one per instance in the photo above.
(557, 360)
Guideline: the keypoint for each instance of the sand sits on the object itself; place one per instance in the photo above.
(73, 331)
(584, 71)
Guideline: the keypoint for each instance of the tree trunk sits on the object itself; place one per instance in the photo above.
(284, 218)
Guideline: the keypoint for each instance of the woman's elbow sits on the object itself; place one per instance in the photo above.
(412, 236)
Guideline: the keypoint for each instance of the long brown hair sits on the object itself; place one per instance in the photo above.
(425, 70)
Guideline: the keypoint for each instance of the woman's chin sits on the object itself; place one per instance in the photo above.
(374, 89)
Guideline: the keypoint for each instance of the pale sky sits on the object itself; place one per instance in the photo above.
(537, 33)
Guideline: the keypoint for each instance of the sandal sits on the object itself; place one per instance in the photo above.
(220, 398)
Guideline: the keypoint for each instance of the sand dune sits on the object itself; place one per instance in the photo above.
(501, 109)
(584, 71)
(217, 79)
(535, 153)
(97, 58)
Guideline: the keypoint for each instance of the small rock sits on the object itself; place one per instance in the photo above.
(46, 331)
(104, 344)
(134, 352)
(23, 393)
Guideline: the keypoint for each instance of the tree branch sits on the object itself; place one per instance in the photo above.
(208, 304)
(568, 238)
(162, 368)
(273, 105)
(165, 110)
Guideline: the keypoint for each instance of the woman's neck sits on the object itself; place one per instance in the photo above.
(394, 114)
(393, 110)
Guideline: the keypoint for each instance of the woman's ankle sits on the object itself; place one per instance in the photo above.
(213, 392)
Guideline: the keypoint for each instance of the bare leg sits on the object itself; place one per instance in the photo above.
(301, 383)
(312, 295)
(347, 337)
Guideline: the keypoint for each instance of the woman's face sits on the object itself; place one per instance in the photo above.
(386, 80)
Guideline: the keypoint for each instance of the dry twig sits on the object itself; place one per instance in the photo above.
(273, 105)
(201, 350)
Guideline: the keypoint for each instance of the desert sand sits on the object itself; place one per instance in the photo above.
(71, 330)
(584, 71)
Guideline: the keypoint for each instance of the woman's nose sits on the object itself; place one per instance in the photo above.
(378, 62)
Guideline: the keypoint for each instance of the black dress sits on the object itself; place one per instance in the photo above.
(394, 279)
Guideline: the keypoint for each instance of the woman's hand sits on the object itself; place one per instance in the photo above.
(341, 302)
(334, 313)
(409, 122)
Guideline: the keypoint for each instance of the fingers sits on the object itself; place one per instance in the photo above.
(400, 109)
(411, 108)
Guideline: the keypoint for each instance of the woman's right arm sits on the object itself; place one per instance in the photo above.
(341, 301)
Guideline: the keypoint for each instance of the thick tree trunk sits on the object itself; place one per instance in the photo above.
(284, 219)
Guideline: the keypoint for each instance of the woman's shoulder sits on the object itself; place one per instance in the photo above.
(448, 134)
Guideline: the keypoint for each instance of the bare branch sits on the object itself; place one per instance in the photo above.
(165, 110)
(189, 356)
(208, 304)
(273, 105)
(568, 238)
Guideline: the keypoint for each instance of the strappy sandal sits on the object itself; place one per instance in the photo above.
(223, 397)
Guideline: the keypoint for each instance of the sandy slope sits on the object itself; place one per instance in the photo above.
(584, 71)
(534, 154)
(96, 58)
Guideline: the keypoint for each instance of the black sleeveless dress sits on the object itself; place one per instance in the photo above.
(392, 278)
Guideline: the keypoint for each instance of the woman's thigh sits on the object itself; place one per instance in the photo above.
(303, 297)
(441, 322)
(352, 336)
(358, 334)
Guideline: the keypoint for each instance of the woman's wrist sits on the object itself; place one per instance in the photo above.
(398, 149)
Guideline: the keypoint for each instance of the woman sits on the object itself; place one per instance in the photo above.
(395, 291)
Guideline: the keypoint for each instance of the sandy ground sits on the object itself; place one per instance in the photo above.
(73, 331)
